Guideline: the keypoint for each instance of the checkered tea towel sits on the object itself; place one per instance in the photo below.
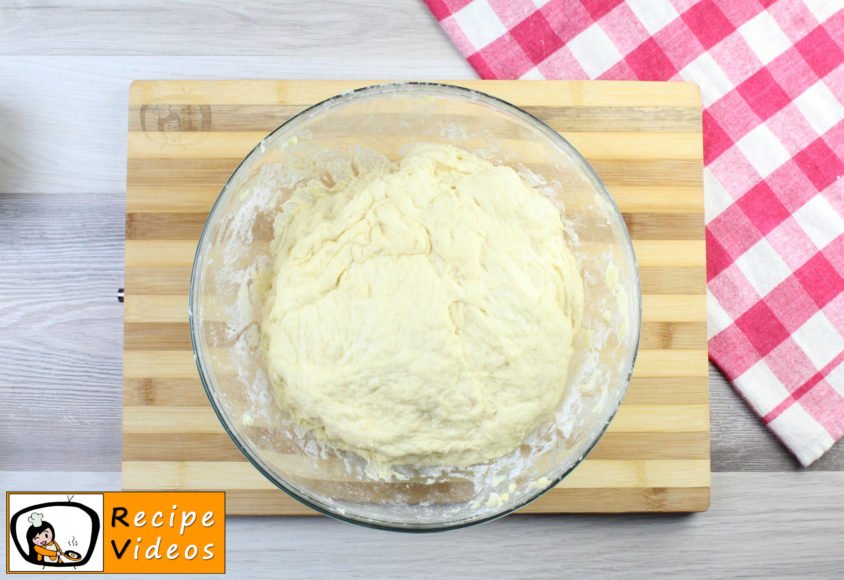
(772, 82)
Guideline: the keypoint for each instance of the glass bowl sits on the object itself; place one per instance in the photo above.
(232, 265)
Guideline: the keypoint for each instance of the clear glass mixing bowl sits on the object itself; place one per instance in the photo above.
(350, 130)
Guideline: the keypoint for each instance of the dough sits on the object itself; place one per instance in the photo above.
(423, 312)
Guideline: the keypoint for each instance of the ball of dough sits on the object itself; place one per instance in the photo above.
(423, 312)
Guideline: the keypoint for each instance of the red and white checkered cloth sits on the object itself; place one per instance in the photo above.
(772, 81)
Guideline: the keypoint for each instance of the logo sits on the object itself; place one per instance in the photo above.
(176, 120)
(115, 532)
(54, 533)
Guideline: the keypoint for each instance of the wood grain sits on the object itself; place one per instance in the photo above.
(43, 152)
(265, 118)
(86, 27)
(54, 228)
(60, 327)
(175, 253)
(198, 196)
(594, 145)
(632, 175)
(260, 502)
(149, 334)
(595, 473)
(174, 334)
(657, 444)
(180, 363)
(552, 94)
(186, 420)
(653, 280)
(149, 391)
(188, 226)
(218, 446)
(743, 528)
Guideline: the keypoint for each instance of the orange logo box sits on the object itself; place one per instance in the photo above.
(164, 532)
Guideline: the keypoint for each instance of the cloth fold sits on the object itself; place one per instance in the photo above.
(771, 75)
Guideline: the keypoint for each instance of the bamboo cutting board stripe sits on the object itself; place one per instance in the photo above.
(265, 118)
(188, 226)
(630, 419)
(625, 172)
(143, 332)
(643, 139)
(555, 95)
(180, 363)
(188, 392)
(198, 197)
(670, 308)
(654, 281)
(603, 145)
(649, 253)
(613, 445)
(603, 473)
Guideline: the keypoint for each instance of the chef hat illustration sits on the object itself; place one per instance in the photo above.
(35, 519)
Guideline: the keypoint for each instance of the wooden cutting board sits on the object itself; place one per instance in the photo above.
(644, 140)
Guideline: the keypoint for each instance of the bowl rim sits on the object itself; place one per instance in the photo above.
(398, 88)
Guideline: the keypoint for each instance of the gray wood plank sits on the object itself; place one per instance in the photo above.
(324, 28)
(760, 525)
(61, 331)
(66, 68)
(64, 117)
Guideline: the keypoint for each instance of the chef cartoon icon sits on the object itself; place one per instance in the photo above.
(41, 540)
(49, 532)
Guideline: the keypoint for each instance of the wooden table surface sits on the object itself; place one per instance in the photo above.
(65, 70)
